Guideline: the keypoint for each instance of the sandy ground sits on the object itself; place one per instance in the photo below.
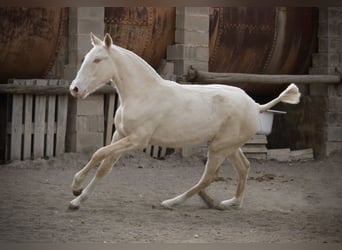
(284, 202)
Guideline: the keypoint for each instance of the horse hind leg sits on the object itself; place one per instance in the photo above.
(213, 162)
(241, 165)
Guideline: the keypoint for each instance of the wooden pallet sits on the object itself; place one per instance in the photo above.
(255, 148)
(37, 126)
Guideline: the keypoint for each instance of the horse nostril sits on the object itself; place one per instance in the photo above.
(75, 90)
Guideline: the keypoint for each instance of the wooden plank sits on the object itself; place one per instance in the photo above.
(256, 156)
(16, 126)
(302, 154)
(48, 90)
(62, 112)
(109, 119)
(50, 126)
(258, 139)
(198, 76)
(155, 151)
(282, 154)
(163, 152)
(39, 123)
(28, 126)
(254, 148)
(4, 113)
(148, 150)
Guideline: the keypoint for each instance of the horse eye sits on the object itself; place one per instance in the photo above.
(97, 60)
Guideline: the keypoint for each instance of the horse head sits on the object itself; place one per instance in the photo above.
(96, 69)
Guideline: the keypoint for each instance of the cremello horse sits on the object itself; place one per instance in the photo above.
(161, 112)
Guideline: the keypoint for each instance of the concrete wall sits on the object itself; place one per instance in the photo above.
(317, 121)
(328, 99)
(85, 117)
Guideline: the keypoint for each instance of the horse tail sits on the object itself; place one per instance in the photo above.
(290, 95)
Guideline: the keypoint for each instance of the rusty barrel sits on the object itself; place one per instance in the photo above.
(145, 30)
(262, 40)
(29, 41)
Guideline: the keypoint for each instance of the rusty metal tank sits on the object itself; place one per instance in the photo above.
(29, 40)
(145, 30)
(262, 40)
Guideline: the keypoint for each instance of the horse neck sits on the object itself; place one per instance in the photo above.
(134, 76)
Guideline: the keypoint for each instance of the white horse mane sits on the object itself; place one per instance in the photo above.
(160, 112)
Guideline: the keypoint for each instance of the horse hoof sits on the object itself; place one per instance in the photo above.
(77, 192)
(73, 207)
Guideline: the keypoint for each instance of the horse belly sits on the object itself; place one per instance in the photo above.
(185, 128)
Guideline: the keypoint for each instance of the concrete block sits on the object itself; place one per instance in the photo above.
(335, 103)
(328, 29)
(333, 148)
(182, 66)
(322, 70)
(323, 90)
(192, 11)
(95, 123)
(334, 133)
(325, 59)
(85, 26)
(319, 90)
(192, 37)
(83, 47)
(86, 123)
(326, 44)
(88, 141)
(81, 122)
(334, 14)
(334, 118)
(192, 22)
(187, 52)
(93, 105)
(90, 12)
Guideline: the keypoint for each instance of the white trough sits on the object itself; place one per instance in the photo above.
(266, 121)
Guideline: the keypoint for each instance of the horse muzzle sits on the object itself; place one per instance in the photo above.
(77, 91)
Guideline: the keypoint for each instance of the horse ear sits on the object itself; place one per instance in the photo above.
(108, 40)
(94, 39)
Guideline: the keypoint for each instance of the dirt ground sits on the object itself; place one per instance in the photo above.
(284, 202)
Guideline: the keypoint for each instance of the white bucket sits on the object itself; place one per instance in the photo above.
(266, 121)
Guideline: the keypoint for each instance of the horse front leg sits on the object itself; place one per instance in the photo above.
(108, 155)
(102, 171)
(82, 174)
